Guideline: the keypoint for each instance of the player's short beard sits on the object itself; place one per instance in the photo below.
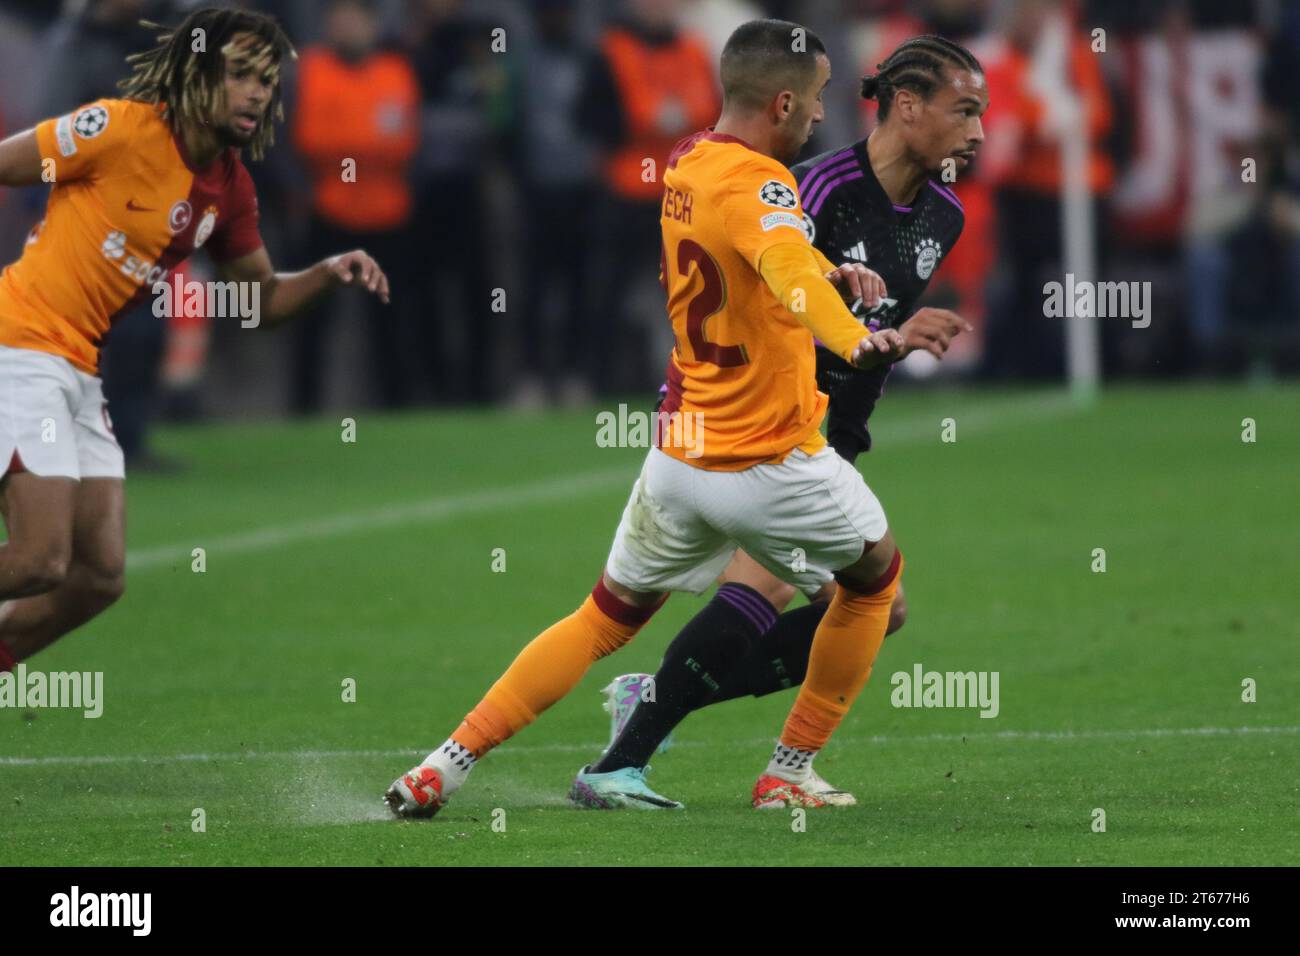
(234, 138)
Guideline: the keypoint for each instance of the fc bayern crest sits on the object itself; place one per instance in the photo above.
(927, 257)
(180, 216)
(776, 193)
(90, 122)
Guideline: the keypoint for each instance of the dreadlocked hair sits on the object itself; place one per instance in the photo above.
(186, 70)
(917, 65)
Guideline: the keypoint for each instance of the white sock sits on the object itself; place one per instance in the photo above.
(790, 763)
(453, 762)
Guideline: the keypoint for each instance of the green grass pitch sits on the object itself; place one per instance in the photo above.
(1120, 691)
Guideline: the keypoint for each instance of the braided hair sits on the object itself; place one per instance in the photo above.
(189, 82)
(917, 65)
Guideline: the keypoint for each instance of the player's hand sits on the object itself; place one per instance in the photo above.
(855, 281)
(879, 348)
(357, 268)
(932, 330)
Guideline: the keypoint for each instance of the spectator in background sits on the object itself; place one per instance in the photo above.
(355, 126)
(556, 168)
(465, 110)
(649, 85)
(1041, 60)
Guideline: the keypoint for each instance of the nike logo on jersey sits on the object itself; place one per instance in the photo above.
(132, 205)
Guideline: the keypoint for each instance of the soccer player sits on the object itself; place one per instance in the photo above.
(139, 184)
(880, 201)
(746, 294)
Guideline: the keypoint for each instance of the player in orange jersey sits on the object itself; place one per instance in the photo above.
(139, 183)
(739, 458)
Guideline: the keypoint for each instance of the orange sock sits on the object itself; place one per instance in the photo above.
(843, 650)
(549, 667)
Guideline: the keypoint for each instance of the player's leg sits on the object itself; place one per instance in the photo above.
(738, 645)
(546, 670)
(843, 651)
(704, 655)
(94, 579)
(38, 513)
(779, 659)
(75, 440)
(660, 546)
(807, 519)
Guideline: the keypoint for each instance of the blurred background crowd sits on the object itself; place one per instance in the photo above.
(499, 148)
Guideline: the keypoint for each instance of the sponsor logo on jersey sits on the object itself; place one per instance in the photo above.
(858, 253)
(63, 136)
(862, 313)
(776, 193)
(775, 219)
(90, 122)
(927, 257)
(206, 225)
(180, 216)
(113, 249)
(114, 246)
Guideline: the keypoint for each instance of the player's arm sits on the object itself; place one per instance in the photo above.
(854, 280)
(759, 203)
(795, 275)
(285, 293)
(20, 160)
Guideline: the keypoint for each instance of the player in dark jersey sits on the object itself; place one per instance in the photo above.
(880, 202)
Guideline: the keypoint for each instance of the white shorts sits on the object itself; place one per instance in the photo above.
(802, 519)
(53, 419)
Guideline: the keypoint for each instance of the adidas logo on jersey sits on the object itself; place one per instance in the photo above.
(858, 253)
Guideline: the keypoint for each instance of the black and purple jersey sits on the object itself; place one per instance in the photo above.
(850, 218)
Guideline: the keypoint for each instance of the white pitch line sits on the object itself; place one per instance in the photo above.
(388, 516)
(902, 431)
(595, 746)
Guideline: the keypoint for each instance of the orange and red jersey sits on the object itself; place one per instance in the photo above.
(742, 362)
(126, 207)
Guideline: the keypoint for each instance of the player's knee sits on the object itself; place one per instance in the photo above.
(93, 588)
(780, 595)
(748, 572)
(824, 594)
(104, 589)
(877, 571)
(39, 572)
